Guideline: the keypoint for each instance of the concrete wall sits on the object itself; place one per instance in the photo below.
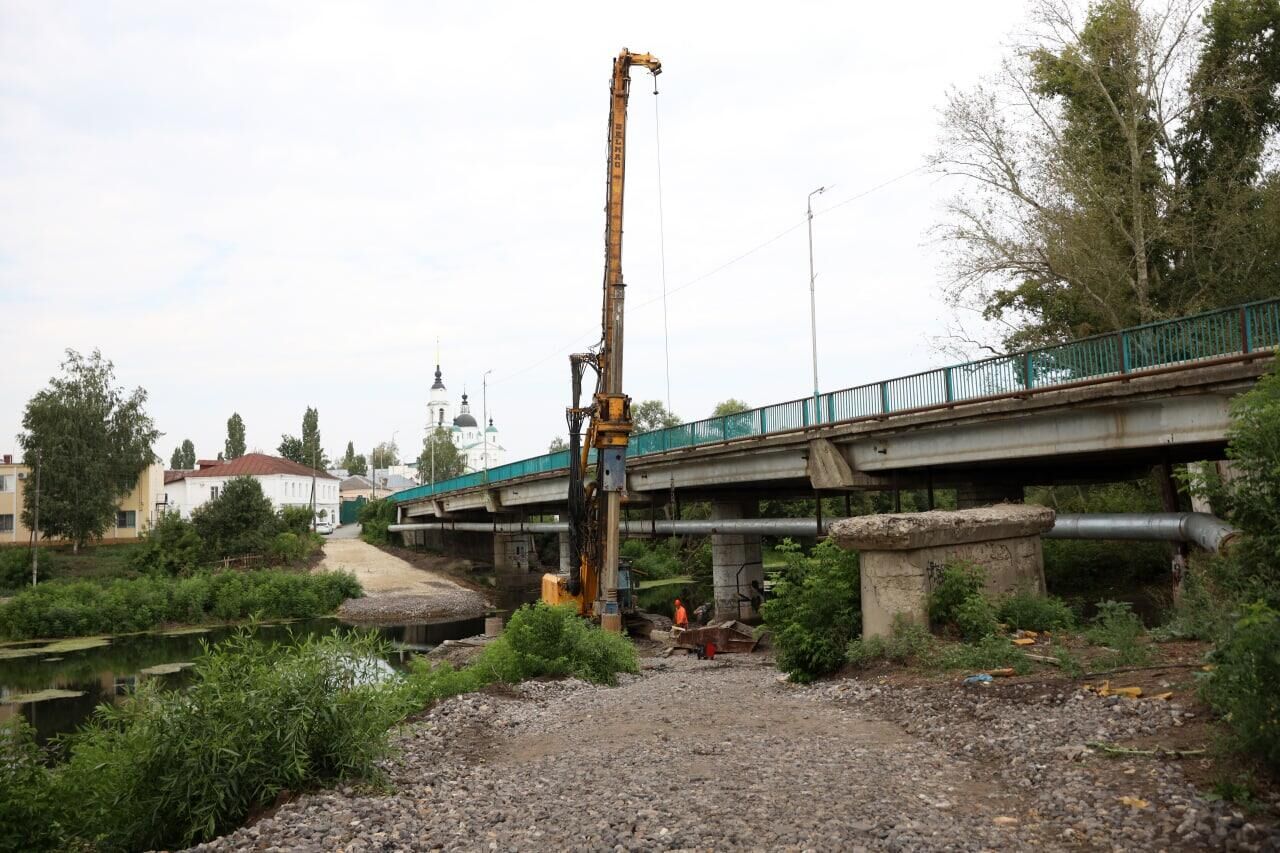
(900, 582)
(735, 563)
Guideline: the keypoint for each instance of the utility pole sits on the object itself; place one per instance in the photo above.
(373, 472)
(813, 304)
(484, 419)
(313, 489)
(35, 527)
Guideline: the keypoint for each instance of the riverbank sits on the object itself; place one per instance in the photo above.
(395, 590)
(724, 755)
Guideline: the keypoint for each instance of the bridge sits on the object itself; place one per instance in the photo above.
(1099, 409)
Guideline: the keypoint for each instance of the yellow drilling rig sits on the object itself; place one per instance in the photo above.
(595, 507)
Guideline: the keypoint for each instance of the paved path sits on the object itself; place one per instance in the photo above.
(394, 589)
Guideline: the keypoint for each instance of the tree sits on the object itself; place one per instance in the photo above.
(729, 407)
(652, 414)
(557, 444)
(307, 449)
(352, 462)
(235, 437)
(184, 457)
(241, 520)
(446, 461)
(91, 441)
(1103, 184)
(385, 454)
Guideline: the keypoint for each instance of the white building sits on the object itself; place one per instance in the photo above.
(284, 483)
(476, 443)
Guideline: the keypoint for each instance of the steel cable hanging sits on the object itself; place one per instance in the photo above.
(662, 241)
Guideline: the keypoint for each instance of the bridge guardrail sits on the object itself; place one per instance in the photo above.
(1223, 332)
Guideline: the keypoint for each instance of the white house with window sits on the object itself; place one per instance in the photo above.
(284, 483)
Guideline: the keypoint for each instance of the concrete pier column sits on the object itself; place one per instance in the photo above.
(564, 553)
(736, 563)
(974, 495)
(512, 552)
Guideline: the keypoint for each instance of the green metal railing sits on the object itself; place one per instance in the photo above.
(1221, 333)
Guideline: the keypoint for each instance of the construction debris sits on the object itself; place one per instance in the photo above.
(728, 636)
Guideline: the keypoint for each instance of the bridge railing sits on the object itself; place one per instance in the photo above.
(1220, 333)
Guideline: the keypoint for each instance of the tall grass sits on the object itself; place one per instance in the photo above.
(121, 606)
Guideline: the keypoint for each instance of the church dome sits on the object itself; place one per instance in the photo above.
(439, 384)
(491, 428)
(465, 418)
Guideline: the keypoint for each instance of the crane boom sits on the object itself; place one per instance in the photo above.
(594, 523)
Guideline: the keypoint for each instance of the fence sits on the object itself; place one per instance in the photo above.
(1221, 333)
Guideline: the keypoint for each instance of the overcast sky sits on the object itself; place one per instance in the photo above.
(256, 207)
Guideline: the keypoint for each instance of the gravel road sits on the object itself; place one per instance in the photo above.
(396, 591)
(721, 755)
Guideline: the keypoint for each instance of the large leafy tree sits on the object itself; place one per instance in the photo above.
(652, 414)
(184, 456)
(306, 450)
(385, 454)
(732, 406)
(1113, 172)
(440, 458)
(91, 440)
(235, 446)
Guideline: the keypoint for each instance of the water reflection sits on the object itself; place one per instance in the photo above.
(107, 673)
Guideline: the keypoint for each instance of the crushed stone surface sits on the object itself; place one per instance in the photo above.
(723, 755)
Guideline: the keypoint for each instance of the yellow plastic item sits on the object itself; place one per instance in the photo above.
(1024, 641)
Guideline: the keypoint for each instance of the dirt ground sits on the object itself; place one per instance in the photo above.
(395, 590)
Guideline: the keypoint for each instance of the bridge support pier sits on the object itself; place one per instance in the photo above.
(513, 552)
(565, 553)
(737, 571)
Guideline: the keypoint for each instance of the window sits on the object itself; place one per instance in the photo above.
(213, 493)
(126, 518)
(6, 483)
(6, 523)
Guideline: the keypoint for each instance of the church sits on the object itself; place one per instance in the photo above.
(471, 440)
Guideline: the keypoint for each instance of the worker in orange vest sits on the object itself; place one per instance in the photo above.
(681, 619)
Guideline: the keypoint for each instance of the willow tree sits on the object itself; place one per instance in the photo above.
(1113, 171)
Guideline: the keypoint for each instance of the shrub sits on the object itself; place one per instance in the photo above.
(906, 642)
(375, 517)
(1242, 685)
(171, 547)
(27, 817)
(240, 521)
(296, 519)
(288, 548)
(120, 606)
(171, 768)
(958, 582)
(427, 684)
(816, 610)
(15, 567)
(990, 652)
(1119, 628)
(541, 640)
(975, 618)
(1031, 612)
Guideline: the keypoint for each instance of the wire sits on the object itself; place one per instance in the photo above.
(662, 241)
(867, 192)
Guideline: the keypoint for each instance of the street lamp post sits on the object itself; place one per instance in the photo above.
(813, 303)
(484, 426)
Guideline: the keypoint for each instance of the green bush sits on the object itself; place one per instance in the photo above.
(296, 520)
(1031, 612)
(170, 768)
(291, 548)
(907, 642)
(975, 618)
(427, 684)
(375, 517)
(122, 606)
(990, 652)
(958, 582)
(1117, 627)
(170, 547)
(816, 610)
(1243, 683)
(28, 820)
(15, 567)
(240, 521)
(541, 640)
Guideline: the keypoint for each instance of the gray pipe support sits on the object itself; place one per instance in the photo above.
(1210, 533)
